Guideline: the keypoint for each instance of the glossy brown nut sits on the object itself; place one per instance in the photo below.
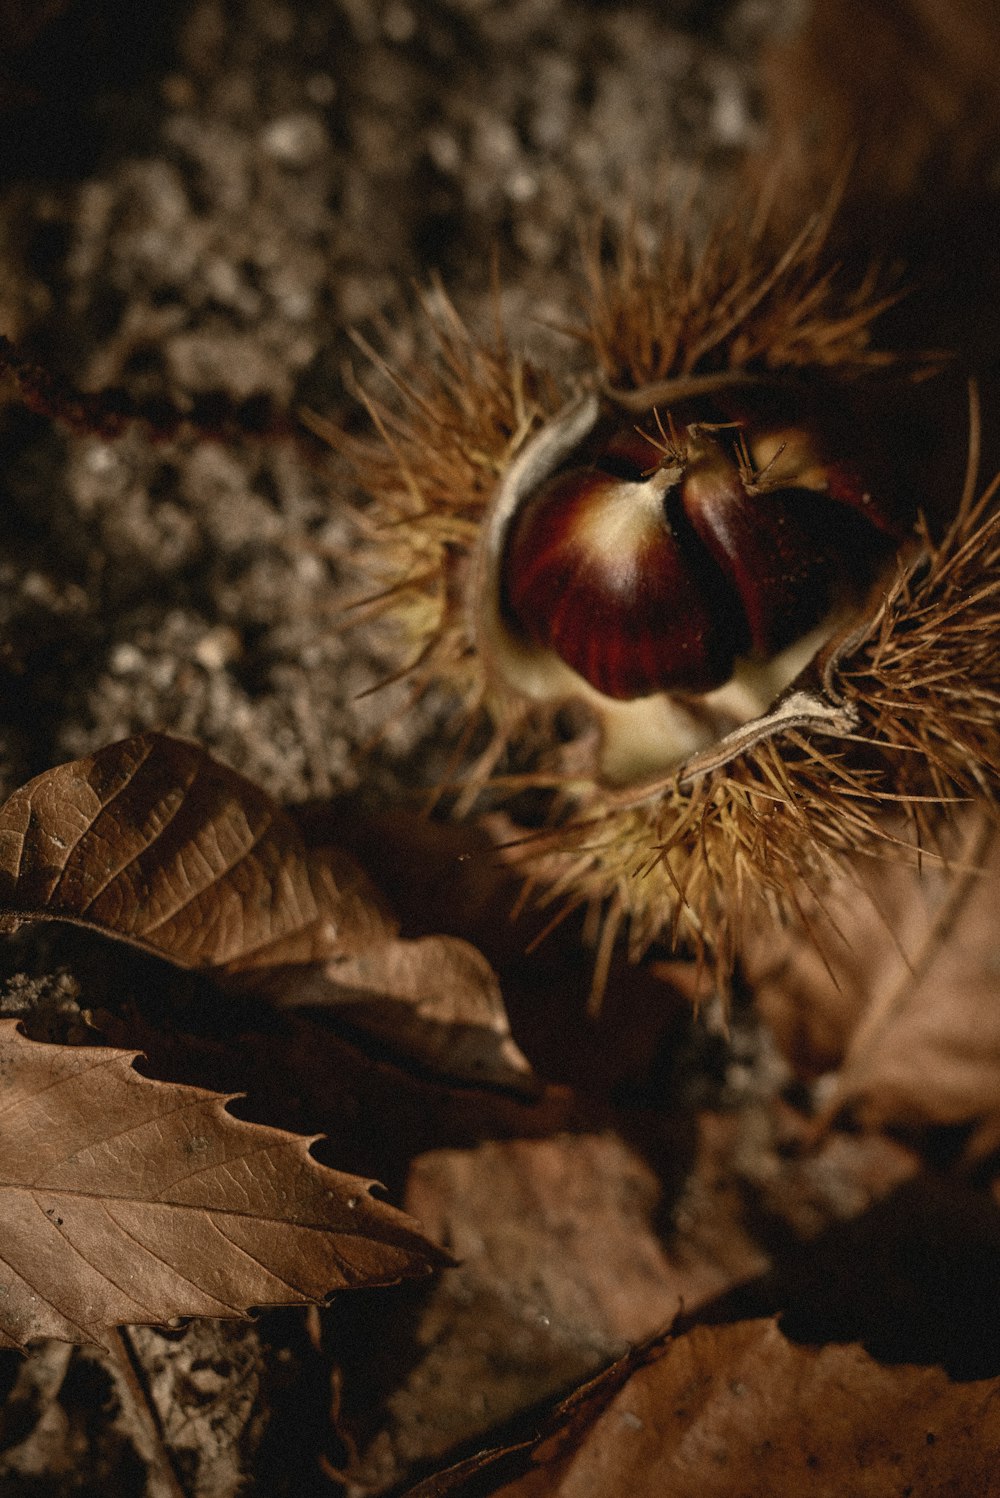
(607, 572)
(671, 551)
(791, 554)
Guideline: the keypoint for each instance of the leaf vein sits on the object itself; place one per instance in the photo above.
(75, 1248)
(147, 1248)
(130, 1128)
(194, 1207)
(216, 877)
(238, 1248)
(19, 1097)
(133, 858)
(71, 849)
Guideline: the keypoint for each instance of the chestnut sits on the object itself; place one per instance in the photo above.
(662, 554)
(609, 573)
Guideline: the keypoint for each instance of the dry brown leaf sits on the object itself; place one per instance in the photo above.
(128, 1200)
(560, 1267)
(570, 1249)
(436, 998)
(897, 987)
(739, 1411)
(153, 842)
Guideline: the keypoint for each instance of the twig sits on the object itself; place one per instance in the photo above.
(157, 1454)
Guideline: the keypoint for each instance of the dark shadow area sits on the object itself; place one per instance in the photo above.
(296, 1393)
(612, 1052)
(913, 1280)
(81, 77)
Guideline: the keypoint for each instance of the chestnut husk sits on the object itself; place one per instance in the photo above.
(682, 820)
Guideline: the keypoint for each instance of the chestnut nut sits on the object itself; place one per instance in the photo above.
(661, 553)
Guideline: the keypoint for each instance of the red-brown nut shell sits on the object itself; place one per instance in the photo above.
(789, 554)
(656, 560)
(609, 575)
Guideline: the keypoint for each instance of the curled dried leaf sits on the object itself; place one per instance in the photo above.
(895, 989)
(153, 842)
(436, 998)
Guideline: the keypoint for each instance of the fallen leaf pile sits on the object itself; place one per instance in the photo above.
(129, 1200)
(322, 1174)
(569, 1224)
